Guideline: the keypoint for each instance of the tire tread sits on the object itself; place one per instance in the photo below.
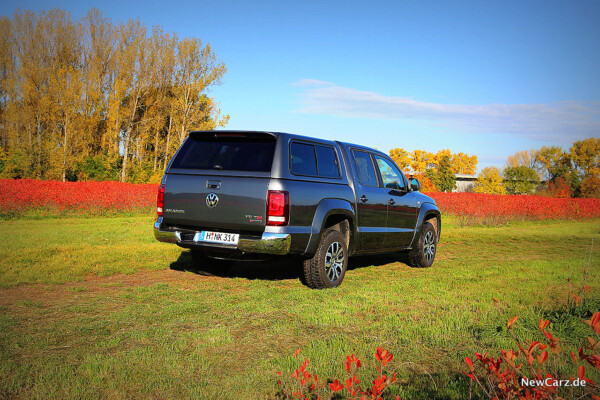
(312, 269)
(415, 256)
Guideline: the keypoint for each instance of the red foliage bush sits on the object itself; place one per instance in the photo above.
(526, 374)
(25, 195)
(426, 185)
(306, 386)
(489, 208)
(558, 188)
(29, 195)
(590, 187)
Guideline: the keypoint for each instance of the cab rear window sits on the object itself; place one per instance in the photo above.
(236, 153)
(364, 165)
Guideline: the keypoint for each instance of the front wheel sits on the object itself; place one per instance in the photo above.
(423, 254)
(328, 267)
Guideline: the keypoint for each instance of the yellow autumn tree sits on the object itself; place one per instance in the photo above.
(526, 158)
(420, 160)
(490, 181)
(586, 156)
(554, 162)
(401, 157)
(90, 99)
(437, 157)
(460, 163)
(464, 164)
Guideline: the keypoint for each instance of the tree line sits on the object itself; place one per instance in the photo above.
(419, 161)
(572, 173)
(89, 99)
(436, 171)
(549, 170)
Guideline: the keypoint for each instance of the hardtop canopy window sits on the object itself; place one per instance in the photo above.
(313, 160)
(226, 152)
(304, 160)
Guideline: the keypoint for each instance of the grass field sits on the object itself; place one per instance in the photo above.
(96, 308)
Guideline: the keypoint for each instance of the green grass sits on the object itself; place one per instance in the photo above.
(90, 308)
(58, 250)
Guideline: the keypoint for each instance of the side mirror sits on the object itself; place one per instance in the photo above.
(415, 184)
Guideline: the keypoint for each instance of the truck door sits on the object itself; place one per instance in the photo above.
(371, 201)
(402, 205)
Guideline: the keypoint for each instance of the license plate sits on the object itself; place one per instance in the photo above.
(217, 237)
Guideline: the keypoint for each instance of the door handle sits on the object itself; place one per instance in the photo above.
(213, 184)
(391, 202)
(364, 198)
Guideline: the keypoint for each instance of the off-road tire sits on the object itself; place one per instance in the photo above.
(328, 266)
(423, 254)
(204, 265)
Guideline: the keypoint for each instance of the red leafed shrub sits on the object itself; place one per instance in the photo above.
(306, 386)
(474, 208)
(55, 197)
(590, 186)
(28, 195)
(559, 188)
(426, 185)
(531, 373)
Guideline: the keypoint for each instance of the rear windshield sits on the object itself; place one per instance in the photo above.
(227, 154)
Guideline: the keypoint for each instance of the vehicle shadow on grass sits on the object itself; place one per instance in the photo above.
(376, 260)
(271, 270)
(277, 269)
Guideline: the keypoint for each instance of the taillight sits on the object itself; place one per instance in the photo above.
(160, 200)
(278, 208)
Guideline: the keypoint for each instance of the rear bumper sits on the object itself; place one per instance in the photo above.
(269, 243)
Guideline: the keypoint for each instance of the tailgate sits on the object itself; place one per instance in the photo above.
(230, 203)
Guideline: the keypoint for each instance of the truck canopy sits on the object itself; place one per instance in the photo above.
(211, 162)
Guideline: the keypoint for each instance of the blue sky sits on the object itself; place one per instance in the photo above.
(481, 77)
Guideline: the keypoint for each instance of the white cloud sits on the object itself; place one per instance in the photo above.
(312, 82)
(560, 121)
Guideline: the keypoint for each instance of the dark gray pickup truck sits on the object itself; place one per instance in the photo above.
(235, 195)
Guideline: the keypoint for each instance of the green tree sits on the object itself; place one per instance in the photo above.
(520, 180)
(442, 177)
(490, 181)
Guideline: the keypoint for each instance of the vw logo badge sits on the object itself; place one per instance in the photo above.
(212, 200)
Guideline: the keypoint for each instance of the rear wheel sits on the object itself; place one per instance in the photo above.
(205, 265)
(423, 254)
(328, 267)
